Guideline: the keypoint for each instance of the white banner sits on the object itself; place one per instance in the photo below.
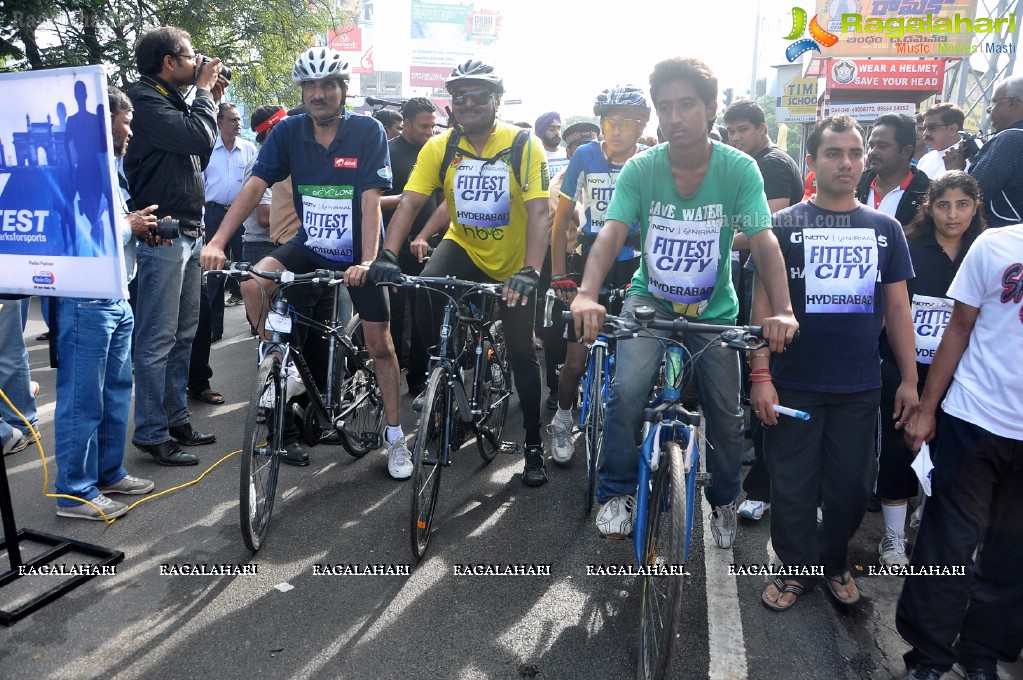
(58, 227)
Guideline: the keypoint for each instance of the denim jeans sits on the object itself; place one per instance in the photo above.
(93, 394)
(717, 378)
(215, 284)
(15, 380)
(166, 317)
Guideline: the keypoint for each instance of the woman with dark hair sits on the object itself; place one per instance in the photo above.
(947, 223)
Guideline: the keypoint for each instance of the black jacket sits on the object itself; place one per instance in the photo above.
(171, 144)
(911, 198)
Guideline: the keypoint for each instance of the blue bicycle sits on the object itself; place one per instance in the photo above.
(668, 477)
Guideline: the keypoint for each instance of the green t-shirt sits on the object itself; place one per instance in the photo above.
(687, 240)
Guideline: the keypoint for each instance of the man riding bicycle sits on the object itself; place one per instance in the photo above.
(339, 165)
(687, 195)
(498, 229)
(594, 169)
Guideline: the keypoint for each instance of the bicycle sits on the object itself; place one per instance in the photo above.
(668, 477)
(351, 409)
(470, 343)
(595, 388)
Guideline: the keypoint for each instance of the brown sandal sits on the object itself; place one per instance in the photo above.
(844, 580)
(207, 395)
(782, 588)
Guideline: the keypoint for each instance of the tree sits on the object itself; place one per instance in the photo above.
(258, 40)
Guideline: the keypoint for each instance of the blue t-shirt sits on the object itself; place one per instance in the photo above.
(592, 176)
(838, 263)
(328, 183)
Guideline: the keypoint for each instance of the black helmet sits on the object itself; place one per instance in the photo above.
(475, 71)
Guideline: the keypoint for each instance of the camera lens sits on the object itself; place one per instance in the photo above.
(225, 71)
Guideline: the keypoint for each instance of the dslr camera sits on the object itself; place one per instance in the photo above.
(970, 147)
(225, 70)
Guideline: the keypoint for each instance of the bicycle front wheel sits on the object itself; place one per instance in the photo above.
(495, 393)
(359, 387)
(663, 550)
(261, 452)
(428, 460)
(593, 428)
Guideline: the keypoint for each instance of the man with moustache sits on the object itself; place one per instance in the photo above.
(891, 184)
(941, 126)
(172, 141)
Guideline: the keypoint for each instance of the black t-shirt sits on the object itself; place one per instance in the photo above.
(837, 263)
(403, 159)
(782, 178)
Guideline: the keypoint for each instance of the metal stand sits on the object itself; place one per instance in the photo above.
(58, 548)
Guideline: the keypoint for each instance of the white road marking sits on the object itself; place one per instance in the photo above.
(725, 638)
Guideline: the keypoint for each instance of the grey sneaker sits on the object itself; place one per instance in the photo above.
(111, 509)
(129, 486)
(722, 525)
(562, 443)
(16, 442)
(893, 550)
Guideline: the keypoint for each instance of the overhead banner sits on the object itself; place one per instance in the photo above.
(445, 34)
(886, 74)
(890, 28)
(58, 222)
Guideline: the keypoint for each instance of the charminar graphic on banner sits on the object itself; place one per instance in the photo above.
(58, 233)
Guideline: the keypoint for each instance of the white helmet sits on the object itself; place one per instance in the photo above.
(319, 63)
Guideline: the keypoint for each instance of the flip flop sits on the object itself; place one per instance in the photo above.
(796, 589)
(845, 579)
(207, 395)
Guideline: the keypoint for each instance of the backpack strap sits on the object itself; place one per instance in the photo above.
(520, 142)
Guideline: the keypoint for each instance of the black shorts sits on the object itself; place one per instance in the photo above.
(370, 302)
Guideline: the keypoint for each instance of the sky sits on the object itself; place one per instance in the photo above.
(559, 56)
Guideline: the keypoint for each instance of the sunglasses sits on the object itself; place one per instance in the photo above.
(933, 126)
(477, 97)
(623, 124)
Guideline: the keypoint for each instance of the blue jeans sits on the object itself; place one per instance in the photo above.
(93, 394)
(717, 378)
(166, 316)
(15, 380)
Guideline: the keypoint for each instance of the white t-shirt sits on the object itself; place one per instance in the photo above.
(932, 163)
(986, 388)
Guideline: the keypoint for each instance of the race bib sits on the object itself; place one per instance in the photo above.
(682, 256)
(482, 193)
(930, 316)
(556, 165)
(841, 270)
(327, 221)
(599, 189)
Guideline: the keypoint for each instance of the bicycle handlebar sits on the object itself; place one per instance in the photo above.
(406, 281)
(242, 270)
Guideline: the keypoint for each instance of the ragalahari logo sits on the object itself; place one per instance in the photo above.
(818, 36)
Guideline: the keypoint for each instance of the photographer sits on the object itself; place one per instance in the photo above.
(172, 143)
(998, 166)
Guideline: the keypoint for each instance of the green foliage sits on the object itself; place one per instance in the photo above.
(258, 40)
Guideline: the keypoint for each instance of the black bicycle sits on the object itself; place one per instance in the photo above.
(468, 392)
(349, 411)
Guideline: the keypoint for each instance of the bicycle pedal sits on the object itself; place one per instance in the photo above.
(704, 479)
(509, 447)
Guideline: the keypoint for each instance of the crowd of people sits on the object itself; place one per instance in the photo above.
(901, 271)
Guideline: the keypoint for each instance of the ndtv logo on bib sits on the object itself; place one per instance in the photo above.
(347, 163)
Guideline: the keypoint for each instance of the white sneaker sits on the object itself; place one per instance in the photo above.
(399, 460)
(753, 509)
(295, 384)
(615, 518)
(893, 549)
(722, 525)
(562, 442)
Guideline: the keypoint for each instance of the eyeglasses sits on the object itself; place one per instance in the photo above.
(477, 97)
(933, 126)
(328, 85)
(623, 124)
(995, 100)
(187, 57)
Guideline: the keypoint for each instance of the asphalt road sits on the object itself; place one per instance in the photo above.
(285, 621)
